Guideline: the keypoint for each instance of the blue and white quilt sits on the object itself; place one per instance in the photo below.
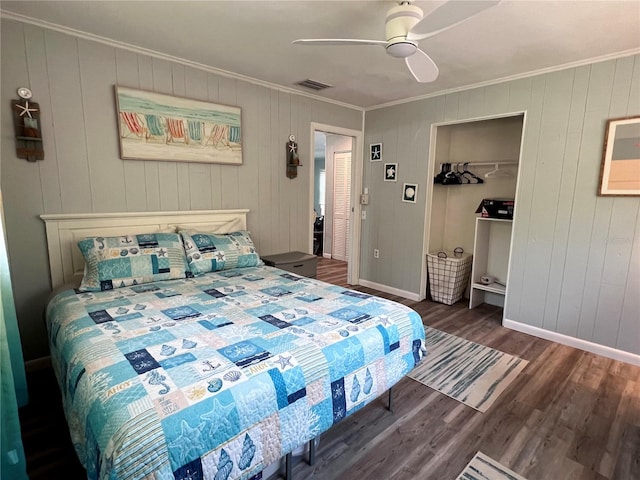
(217, 376)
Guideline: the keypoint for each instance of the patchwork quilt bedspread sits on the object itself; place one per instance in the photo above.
(217, 376)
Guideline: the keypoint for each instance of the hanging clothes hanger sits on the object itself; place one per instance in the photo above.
(496, 172)
(470, 176)
(451, 178)
(444, 169)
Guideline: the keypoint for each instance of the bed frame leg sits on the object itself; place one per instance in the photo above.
(390, 408)
(312, 451)
(287, 466)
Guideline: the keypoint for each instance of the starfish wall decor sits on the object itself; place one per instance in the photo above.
(26, 122)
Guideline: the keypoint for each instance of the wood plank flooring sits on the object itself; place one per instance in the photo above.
(570, 415)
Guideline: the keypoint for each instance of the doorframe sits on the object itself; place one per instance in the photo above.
(355, 228)
(429, 193)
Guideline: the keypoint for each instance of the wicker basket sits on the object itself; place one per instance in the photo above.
(448, 275)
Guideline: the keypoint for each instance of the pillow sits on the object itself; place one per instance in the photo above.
(115, 262)
(211, 252)
(231, 226)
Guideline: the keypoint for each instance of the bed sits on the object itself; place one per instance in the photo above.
(213, 374)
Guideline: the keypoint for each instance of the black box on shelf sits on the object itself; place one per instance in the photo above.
(496, 208)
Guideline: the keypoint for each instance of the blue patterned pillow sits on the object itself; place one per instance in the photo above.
(210, 252)
(115, 262)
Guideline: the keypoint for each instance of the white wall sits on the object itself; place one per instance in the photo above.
(575, 266)
(73, 79)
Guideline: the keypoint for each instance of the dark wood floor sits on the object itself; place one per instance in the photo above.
(569, 415)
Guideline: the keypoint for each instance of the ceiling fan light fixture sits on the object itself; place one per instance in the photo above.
(401, 49)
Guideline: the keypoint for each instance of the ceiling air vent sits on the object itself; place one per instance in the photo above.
(313, 85)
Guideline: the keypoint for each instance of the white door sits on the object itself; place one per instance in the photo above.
(341, 207)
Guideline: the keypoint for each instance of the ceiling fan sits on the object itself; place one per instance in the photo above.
(405, 26)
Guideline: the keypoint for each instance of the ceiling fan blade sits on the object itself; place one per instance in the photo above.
(338, 41)
(447, 15)
(422, 67)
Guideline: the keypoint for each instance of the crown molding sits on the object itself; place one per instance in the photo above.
(163, 56)
(531, 73)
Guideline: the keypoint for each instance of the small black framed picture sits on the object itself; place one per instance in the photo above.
(390, 172)
(375, 152)
(409, 192)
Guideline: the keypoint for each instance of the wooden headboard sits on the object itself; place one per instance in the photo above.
(65, 230)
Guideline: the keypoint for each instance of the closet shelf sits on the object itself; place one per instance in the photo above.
(492, 287)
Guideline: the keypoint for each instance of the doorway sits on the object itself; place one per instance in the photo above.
(335, 182)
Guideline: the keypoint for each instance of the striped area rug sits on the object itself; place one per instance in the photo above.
(482, 467)
(465, 371)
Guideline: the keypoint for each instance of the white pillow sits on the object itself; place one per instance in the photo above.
(231, 226)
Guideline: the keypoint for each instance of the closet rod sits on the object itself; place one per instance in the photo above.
(480, 164)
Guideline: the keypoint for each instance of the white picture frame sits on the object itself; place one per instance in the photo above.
(390, 172)
(375, 152)
(409, 192)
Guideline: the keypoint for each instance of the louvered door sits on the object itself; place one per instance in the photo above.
(341, 207)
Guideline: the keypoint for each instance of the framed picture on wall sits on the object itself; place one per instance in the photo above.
(409, 192)
(620, 170)
(390, 172)
(153, 126)
(375, 152)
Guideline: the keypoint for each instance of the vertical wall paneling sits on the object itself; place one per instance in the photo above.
(231, 196)
(451, 106)
(216, 176)
(66, 102)
(263, 157)
(276, 162)
(248, 173)
(167, 171)
(73, 79)
(406, 156)
(385, 200)
(619, 236)
(546, 189)
(628, 333)
(199, 174)
(302, 177)
(601, 82)
(285, 184)
(567, 170)
(524, 202)
(628, 337)
(616, 261)
(35, 54)
(152, 177)
(305, 141)
(135, 187)
(496, 99)
(182, 168)
(97, 77)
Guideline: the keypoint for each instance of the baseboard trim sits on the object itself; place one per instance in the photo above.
(326, 255)
(37, 364)
(596, 348)
(391, 290)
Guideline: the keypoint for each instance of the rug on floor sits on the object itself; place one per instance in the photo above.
(482, 467)
(465, 371)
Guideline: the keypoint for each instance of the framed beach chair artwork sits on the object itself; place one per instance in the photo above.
(154, 126)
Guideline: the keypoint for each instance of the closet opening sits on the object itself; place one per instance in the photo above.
(470, 161)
